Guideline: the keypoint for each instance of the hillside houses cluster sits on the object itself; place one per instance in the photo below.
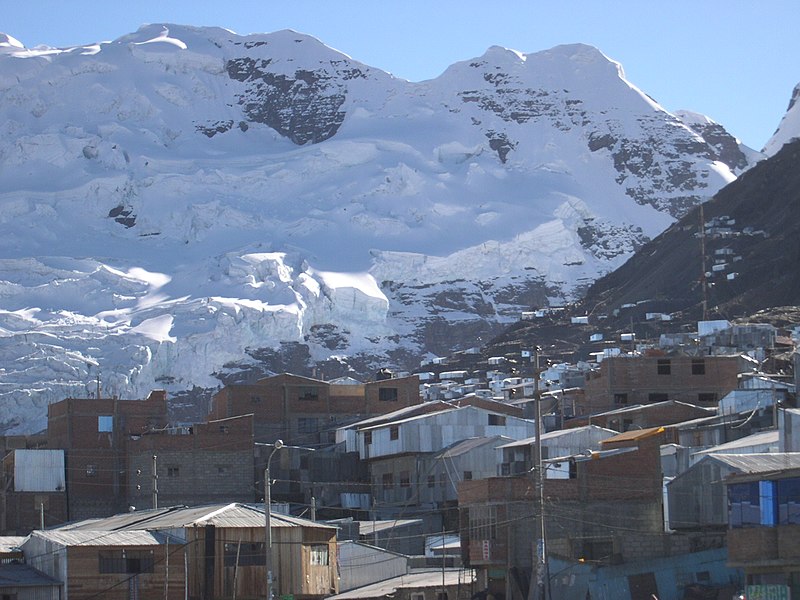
(670, 468)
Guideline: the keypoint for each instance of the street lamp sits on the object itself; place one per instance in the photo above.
(267, 517)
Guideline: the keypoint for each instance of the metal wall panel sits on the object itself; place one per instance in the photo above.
(39, 471)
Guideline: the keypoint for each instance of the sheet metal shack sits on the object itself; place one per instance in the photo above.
(212, 537)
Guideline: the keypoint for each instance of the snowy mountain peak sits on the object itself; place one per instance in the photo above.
(9, 44)
(185, 206)
(789, 127)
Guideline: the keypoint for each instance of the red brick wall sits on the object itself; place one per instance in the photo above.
(752, 544)
(278, 403)
(638, 377)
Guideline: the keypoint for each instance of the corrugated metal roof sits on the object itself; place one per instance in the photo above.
(233, 515)
(11, 543)
(552, 435)
(465, 446)
(652, 406)
(415, 580)
(368, 527)
(24, 576)
(136, 537)
(418, 417)
(762, 437)
(400, 413)
(634, 435)
(128, 520)
(758, 463)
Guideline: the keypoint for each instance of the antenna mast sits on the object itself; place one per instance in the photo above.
(703, 281)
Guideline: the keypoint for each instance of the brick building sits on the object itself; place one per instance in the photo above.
(95, 432)
(609, 511)
(202, 464)
(306, 411)
(634, 379)
(33, 490)
(764, 534)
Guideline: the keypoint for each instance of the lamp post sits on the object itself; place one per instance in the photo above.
(267, 518)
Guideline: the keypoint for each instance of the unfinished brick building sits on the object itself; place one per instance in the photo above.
(306, 411)
(628, 379)
(95, 432)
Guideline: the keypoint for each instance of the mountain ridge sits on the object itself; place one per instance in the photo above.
(183, 205)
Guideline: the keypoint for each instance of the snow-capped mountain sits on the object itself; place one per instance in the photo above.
(180, 204)
(789, 127)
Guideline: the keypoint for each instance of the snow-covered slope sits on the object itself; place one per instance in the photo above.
(177, 204)
(789, 127)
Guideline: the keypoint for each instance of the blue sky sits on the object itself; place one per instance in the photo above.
(733, 60)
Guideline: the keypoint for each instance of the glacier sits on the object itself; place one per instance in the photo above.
(181, 203)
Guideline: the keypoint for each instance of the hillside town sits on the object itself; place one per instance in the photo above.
(664, 468)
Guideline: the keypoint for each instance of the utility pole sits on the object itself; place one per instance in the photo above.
(268, 517)
(703, 278)
(536, 591)
(155, 481)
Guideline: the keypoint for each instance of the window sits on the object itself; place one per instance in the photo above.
(91, 470)
(597, 549)
(105, 423)
(387, 481)
(394, 432)
(482, 522)
(620, 398)
(126, 561)
(497, 420)
(173, 471)
(308, 393)
(387, 394)
(405, 479)
(441, 595)
(251, 554)
(223, 470)
(431, 481)
(627, 424)
(707, 398)
(418, 596)
(318, 555)
(789, 501)
(467, 475)
(255, 399)
(744, 504)
(664, 366)
(698, 366)
(657, 397)
(367, 438)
